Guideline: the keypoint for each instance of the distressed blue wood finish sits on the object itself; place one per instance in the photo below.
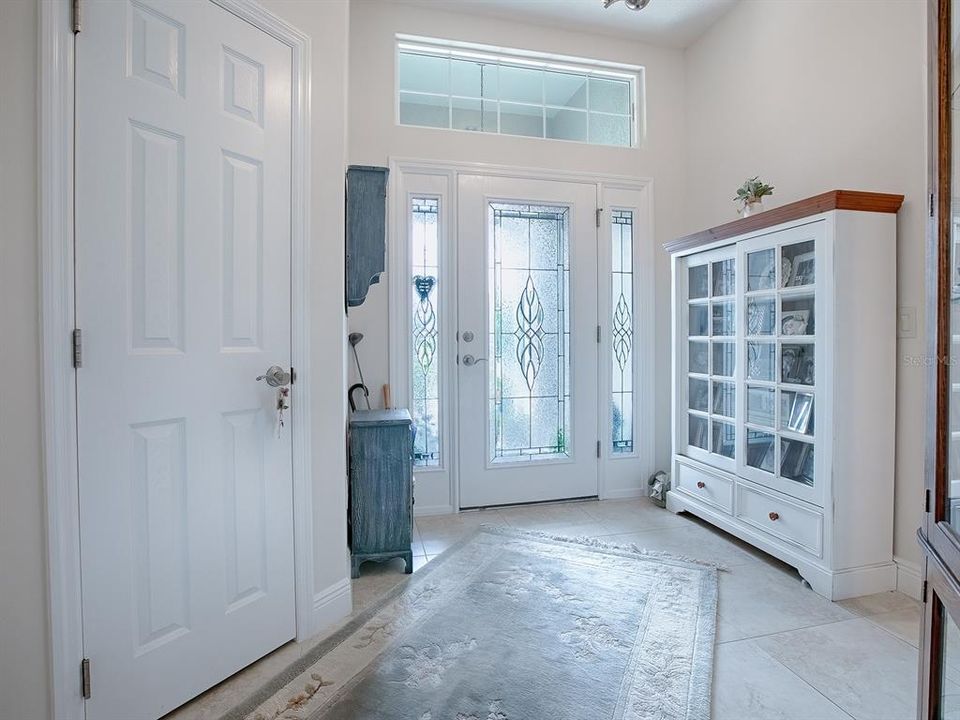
(366, 229)
(381, 487)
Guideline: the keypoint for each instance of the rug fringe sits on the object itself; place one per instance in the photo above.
(594, 542)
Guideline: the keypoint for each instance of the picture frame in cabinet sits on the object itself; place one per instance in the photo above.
(794, 322)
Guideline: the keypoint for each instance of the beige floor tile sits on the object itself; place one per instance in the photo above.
(693, 541)
(748, 684)
(759, 599)
(221, 698)
(438, 532)
(546, 517)
(883, 602)
(866, 671)
(633, 515)
(375, 580)
(904, 623)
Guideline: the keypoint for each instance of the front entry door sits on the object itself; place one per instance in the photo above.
(527, 340)
(183, 297)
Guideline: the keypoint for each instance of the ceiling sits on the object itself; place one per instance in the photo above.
(669, 23)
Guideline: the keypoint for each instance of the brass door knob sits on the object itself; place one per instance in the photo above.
(774, 516)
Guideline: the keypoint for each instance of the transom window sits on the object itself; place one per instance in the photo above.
(470, 87)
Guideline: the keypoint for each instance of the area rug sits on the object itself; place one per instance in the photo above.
(513, 625)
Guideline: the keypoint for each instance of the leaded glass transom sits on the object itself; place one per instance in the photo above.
(621, 420)
(529, 335)
(425, 329)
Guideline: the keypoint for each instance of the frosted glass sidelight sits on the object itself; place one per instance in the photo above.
(529, 332)
(425, 329)
(621, 331)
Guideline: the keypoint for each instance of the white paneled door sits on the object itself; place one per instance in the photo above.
(183, 297)
(527, 342)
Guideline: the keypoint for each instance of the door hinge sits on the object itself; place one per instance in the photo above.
(926, 500)
(77, 348)
(923, 591)
(77, 17)
(85, 678)
(599, 210)
(598, 448)
(931, 204)
(293, 375)
(598, 334)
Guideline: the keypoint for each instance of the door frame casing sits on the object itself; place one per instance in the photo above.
(399, 322)
(56, 101)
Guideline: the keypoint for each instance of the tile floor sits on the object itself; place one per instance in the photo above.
(783, 652)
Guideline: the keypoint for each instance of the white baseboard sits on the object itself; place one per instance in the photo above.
(425, 510)
(909, 577)
(864, 581)
(624, 493)
(331, 605)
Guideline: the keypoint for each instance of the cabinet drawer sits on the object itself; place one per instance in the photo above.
(712, 489)
(780, 518)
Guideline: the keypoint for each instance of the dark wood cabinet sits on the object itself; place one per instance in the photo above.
(366, 229)
(381, 487)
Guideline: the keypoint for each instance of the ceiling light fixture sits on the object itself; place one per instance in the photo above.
(632, 4)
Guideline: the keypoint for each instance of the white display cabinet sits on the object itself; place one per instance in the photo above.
(784, 385)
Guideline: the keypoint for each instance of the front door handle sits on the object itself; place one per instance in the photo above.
(470, 360)
(275, 376)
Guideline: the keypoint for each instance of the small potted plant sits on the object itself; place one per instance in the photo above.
(750, 196)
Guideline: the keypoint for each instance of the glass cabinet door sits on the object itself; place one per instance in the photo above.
(780, 355)
(711, 328)
(939, 535)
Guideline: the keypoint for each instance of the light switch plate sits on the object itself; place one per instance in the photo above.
(907, 321)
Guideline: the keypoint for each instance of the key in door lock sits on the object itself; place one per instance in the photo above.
(275, 376)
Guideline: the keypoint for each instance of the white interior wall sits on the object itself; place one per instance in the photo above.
(327, 24)
(815, 96)
(24, 657)
(375, 138)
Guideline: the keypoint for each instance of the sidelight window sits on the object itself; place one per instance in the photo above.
(425, 329)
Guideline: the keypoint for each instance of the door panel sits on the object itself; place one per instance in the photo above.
(527, 287)
(183, 295)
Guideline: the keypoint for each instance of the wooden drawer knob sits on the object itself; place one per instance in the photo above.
(701, 484)
(774, 516)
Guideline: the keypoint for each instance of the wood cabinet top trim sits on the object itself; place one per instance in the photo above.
(832, 200)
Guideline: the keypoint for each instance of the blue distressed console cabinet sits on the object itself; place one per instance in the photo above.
(381, 487)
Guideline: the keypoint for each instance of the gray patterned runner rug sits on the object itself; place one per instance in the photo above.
(511, 625)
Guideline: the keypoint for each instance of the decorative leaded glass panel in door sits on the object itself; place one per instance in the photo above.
(425, 360)
(529, 338)
(621, 413)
